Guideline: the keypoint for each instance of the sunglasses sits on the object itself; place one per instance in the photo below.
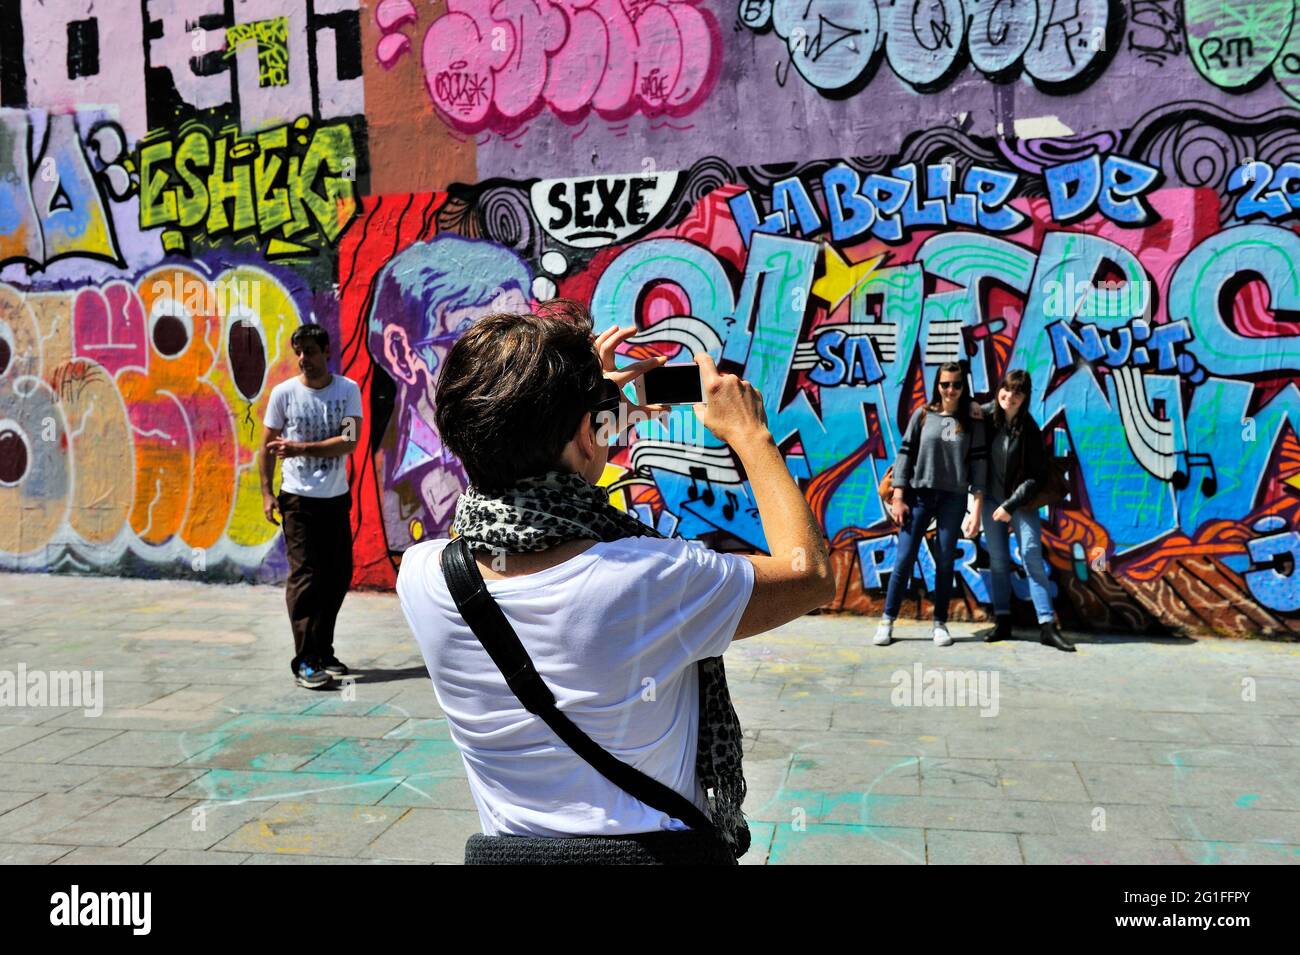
(951, 385)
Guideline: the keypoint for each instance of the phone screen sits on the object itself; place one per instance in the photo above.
(673, 385)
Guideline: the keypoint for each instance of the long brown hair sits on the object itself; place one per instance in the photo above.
(1019, 382)
(962, 417)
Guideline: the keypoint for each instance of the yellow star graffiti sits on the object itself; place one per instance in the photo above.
(841, 278)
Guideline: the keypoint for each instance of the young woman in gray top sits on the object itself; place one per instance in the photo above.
(943, 458)
(1017, 471)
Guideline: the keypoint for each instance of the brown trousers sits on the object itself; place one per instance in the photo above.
(318, 543)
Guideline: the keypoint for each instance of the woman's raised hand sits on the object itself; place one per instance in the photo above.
(734, 408)
(607, 343)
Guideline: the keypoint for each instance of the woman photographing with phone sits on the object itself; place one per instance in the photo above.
(575, 651)
(943, 457)
(1017, 472)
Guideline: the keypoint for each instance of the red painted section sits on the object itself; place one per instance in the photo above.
(385, 226)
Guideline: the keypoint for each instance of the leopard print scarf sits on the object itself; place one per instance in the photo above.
(540, 512)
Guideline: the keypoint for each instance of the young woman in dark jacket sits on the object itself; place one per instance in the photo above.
(1017, 471)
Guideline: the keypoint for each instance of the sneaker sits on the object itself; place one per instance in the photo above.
(942, 638)
(312, 676)
(332, 666)
(884, 633)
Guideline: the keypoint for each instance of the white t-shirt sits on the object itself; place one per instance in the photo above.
(615, 633)
(313, 414)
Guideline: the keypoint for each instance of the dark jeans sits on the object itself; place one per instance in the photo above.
(927, 505)
(318, 542)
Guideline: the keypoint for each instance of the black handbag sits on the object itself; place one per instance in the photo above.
(1057, 486)
(481, 611)
(1056, 474)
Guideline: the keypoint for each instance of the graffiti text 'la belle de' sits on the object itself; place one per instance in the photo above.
(887, 207)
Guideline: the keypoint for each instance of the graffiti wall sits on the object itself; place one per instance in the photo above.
(174, 182)
(833, 198)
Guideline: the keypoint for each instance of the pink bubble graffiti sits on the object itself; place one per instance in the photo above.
(495, 64)
(391, 16)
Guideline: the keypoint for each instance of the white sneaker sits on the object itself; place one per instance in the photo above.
(884, 633)
(942, 638)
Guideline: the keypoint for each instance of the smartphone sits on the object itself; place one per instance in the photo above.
(670, 385)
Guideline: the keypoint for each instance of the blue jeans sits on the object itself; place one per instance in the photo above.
(927, 505)
(1029, 535)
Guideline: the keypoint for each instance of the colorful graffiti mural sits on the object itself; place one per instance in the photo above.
(169, 212)
(1235, 46)
(838, 45)
(195, 185)
(54, 202)
(493, 65)
(169, 205)
(130, 416)
(1150, 306)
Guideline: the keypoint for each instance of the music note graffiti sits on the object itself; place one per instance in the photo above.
(1181, 478)
(693, 493)
(729, 508)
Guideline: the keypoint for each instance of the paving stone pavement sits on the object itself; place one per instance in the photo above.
(1133, 750)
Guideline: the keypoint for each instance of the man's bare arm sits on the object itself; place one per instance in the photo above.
(339, 446)
(335, 447)
(266, 466)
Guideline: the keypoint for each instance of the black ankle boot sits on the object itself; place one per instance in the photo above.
(1002, 631)
(1052, 637)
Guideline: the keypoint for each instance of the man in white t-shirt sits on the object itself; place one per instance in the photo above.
(312, 424)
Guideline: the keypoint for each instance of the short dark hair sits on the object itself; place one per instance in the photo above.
(513, 390)
(309, 332)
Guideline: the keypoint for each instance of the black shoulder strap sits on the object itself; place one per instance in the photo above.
(493, 630)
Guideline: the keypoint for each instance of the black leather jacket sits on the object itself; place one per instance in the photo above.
(1026, 458)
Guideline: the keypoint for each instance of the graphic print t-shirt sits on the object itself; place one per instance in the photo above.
(313, 414)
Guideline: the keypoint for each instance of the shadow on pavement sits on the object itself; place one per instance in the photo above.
(388, 676)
